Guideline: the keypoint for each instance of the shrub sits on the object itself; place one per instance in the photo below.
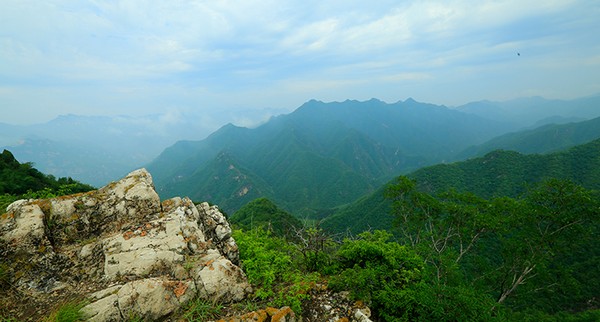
(267, 262)
(378, 271)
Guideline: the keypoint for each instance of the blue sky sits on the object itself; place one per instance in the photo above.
(241, 57)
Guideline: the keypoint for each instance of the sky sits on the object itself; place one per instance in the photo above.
(245, 60)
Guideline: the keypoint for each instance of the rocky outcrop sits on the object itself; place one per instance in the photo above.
(122, 249)
(270, 314)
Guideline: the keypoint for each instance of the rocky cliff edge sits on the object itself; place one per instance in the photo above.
(121, 250)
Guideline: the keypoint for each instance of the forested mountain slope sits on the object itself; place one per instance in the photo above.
(320, 156)
(499, 173)
(543, 139)
(265, 214)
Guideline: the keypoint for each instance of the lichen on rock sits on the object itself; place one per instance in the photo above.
(122, 250)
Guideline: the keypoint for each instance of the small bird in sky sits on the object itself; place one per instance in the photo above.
(518, 54)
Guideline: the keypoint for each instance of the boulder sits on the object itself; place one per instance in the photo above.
(121, 249)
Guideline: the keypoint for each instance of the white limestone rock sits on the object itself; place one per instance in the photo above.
(218, 279)
(160, 255)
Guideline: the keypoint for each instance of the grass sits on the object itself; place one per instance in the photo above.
(201, 310)
(68, 312)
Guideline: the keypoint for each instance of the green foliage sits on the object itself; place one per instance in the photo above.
(201, 310)
(505, 249)
(265, 259)
(436, 302)
(321, 156)
(295, 290)
(263, 213)
(508, 173)
(7, 319)
(317, 249)
(536, 316)
(5, 278)
(268, 263)
(442, 229)
(68, 312)
(22, 181)
(498, 174)
(378, 271)
(536, 140)
(6, 200)
(547, 246)
(17, 178)
(133, 317)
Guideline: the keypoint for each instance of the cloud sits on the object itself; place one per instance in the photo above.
(141, 55)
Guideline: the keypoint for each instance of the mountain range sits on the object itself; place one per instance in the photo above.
(93, 149)
(530, 112)
(100, 149)
(324, 155)
(310, 161)
(332, 162)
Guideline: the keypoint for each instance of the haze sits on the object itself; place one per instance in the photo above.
(241, 61)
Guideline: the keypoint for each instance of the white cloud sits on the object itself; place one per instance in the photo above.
(139, 55)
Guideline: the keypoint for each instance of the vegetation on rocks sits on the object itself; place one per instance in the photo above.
(23, 181)
(68, 312)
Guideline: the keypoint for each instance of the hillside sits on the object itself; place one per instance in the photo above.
(263, 213)
(543, 139)
(499, 173)
(320, 156)
(18, 180)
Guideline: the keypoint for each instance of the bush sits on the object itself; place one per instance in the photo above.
(438, 302)
(378, 271)
(267, 262)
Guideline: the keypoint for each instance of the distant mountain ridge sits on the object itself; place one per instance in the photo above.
(320, 156)
(98, 149)
(93, 149)
(536, 111)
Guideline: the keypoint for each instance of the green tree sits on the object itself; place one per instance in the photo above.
(378, 271)
(443, 229)
(504, 245)
(538, 229)
(316, 246)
